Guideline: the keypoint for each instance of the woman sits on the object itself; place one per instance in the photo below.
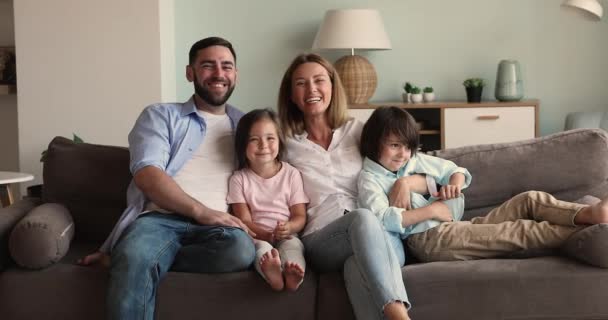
(322, 142)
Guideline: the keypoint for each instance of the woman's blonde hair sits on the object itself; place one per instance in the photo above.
(292, 119)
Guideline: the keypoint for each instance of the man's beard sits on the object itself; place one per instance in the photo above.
(209, 97)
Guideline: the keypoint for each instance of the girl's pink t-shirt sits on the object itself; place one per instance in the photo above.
(269, 199)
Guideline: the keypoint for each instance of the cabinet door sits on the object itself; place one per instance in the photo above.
(469, 126)
(361, 114)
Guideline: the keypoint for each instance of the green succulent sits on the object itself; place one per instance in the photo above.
(474, 83)
(415, 90)
(408, 87)
(428, 89)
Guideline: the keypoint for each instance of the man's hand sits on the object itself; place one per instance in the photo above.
(400, 194)
(282, 231)
(95, 258)
(447, 192)
(212, 217)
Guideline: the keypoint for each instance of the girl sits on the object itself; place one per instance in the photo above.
(532, 220)
(268, 196)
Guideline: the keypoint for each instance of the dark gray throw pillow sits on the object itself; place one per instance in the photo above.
(589, 245)
(42, 237)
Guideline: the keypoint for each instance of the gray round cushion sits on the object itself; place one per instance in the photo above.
(42, 237)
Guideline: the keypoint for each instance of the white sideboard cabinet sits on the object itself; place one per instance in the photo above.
(445, 125)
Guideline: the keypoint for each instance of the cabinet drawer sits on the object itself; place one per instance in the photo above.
(469, 126)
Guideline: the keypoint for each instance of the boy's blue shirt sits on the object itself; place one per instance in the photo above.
(375, 182)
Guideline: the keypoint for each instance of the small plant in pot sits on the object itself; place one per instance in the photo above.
(408, 91)
(416, 95)
(474, 87)
(428, 94)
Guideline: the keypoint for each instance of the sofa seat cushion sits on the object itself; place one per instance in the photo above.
(553, 288)
(68, 291)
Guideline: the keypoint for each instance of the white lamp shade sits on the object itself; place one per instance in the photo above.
(590, 6)
(352, 29)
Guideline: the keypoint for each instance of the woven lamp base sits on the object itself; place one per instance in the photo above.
(358, 77)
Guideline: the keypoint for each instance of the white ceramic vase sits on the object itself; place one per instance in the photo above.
(429, 96)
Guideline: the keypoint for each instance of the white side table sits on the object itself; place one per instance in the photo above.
(6, 179)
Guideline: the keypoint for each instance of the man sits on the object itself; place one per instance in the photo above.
(181, 158)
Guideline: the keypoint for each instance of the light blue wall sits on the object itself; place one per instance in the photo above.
(435, 42)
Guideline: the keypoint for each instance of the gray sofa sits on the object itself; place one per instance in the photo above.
(90, 180)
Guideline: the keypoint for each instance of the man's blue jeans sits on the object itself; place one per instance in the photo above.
(156, 242)
(358, 244)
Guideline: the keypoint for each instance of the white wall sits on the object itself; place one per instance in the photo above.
(86, 67)
(9, 148)
(167, 50)
(435, 42)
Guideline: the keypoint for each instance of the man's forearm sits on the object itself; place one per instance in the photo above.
(165, 193)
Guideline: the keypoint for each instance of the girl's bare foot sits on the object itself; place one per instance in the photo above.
(594, 214)
(294, 274)
(270, 263)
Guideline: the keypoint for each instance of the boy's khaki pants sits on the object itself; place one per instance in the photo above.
(530, 220)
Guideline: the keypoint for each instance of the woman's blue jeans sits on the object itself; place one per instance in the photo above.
(156, 242)
(358, 244)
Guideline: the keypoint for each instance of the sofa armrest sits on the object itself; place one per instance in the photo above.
(9, 216)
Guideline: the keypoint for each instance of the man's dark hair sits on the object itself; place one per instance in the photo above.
(209, 42)
(384, 121)
(241, 137)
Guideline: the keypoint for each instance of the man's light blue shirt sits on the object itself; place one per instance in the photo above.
(165, 136)
(375, 183)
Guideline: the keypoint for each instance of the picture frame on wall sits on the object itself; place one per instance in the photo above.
(8, 66)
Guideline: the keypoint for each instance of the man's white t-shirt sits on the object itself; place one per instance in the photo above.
(205, 176)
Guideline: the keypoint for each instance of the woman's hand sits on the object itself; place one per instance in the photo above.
(447, 192)
(97, 258)
(283, 231)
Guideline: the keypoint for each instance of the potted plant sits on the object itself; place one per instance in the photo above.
(416, 95)
(428, 94)
(474, 87)
(408, 91)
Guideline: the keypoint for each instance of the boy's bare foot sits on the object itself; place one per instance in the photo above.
(294, 274)
(270, 263)
(594, 214)
(396, 311)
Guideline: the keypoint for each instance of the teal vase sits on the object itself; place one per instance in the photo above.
(509, 86)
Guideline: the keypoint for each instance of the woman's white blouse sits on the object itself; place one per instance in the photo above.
(330, 176)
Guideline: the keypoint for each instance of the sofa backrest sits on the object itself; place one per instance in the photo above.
(91, 181)
(568, 165)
